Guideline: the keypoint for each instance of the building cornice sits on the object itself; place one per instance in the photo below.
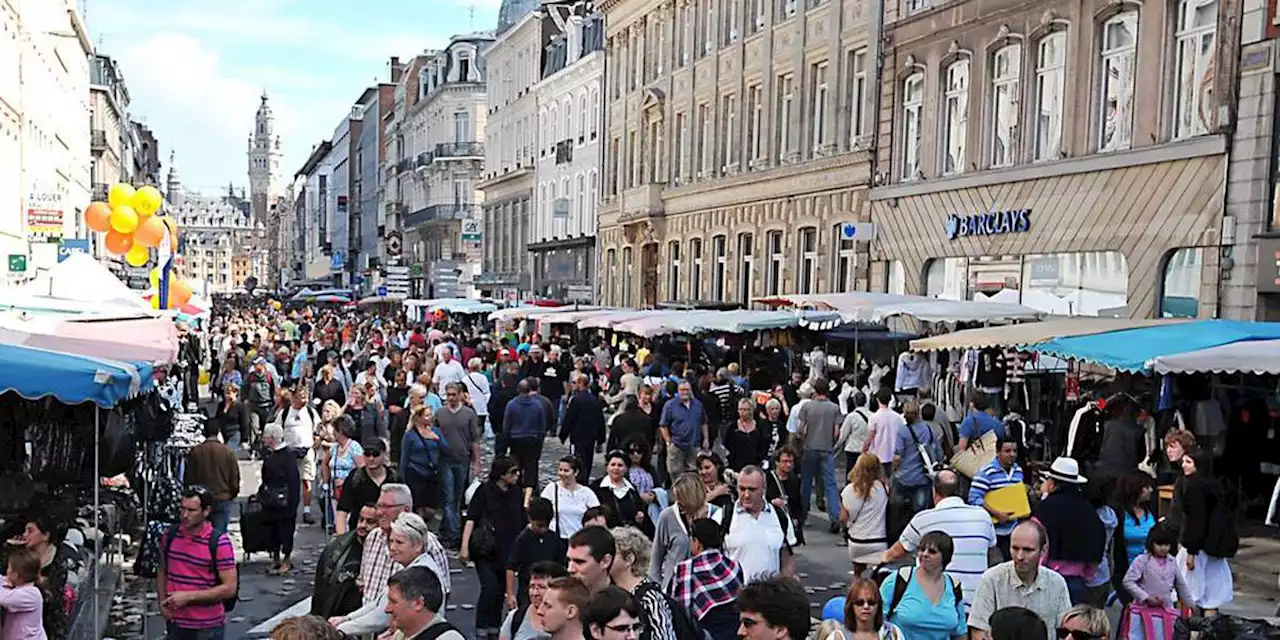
(501, 180)
(585, 68)
(836, 172)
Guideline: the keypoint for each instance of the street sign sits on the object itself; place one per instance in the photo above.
(337, 261)
(858, 231)
(72, 246)
(17, 263)
(382, 291)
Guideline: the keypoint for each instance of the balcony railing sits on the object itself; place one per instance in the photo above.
(452, 150)
(424, 159)
(404, 165)
(564, 152)
(442, 213)
(97, 140)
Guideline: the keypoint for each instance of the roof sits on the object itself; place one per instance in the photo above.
(317, 154)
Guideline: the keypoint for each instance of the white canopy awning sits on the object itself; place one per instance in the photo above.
(1254, 356)
(878, 307)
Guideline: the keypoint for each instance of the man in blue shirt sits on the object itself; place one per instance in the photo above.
(979, 421)
(1001, 472)
(683, 420)
(911, 475)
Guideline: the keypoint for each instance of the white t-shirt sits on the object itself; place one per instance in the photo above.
(885, 423)
(756, 543)
(568, 507)
(299, 427)
(447, 372)
(478, 389)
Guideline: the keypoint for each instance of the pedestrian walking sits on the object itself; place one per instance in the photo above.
(197, 572)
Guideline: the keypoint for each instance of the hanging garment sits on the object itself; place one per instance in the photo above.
(991, 371)
(1084, 436)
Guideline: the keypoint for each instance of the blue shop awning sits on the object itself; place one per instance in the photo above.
(1133, 350)
(72, 379)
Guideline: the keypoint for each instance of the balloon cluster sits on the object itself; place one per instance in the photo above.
(132, 228)
(128, 218)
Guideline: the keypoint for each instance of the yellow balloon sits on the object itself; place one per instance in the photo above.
(138, 256)
(124, 219)
(120, 195)
(147, 201)
(155, 301)
(155, 278)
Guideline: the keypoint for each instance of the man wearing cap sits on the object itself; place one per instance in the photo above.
(1075, 534)
(364, 484)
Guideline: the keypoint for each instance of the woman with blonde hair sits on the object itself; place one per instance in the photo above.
(671, 534)
(419, 461)
(862, 509)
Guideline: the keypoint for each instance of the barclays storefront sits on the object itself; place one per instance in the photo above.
(1125, 240)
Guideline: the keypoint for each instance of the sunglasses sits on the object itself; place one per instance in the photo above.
(1075, 634)
(511, 471)
(372, 453)
(866, 603)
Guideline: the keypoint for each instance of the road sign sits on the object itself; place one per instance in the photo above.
(337, 261)
(382, 291)
(72, 246)
(17, 263)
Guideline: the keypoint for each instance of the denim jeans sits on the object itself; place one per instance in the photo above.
(819, 462)
(454, 477)
(220, 515)
(919, 496)
(174, 632)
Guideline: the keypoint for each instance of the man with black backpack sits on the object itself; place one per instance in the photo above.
(197, 582)
(414, 599)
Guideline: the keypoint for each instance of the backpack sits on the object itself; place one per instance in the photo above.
(230, 603)
(900, 589)
(682, 621)
(438, 629)
(784, 521)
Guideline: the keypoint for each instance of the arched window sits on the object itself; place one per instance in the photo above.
(627, 276)
(1051, 75)
(1006, 70)
(1180, 289)
(568, 119)
(912, 103)
(955, 116)
(1118, 59)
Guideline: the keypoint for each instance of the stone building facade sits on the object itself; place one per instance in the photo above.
(562, 234)
(736, 149)
(515, 62)
(1069, 155)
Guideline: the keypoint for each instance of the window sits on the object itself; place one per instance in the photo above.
(1197, 21)
(681, 134)
(746, 259)
(787, 8)
(627, 276)
(1051, 62)
(462, 126)
(955, 117)
(719, 255)
(808, 275)
(568, 119)
(582, 117)
(776, 257)
(673, 281)
(729, 129)
(684, 29)
(818, 79)
(912, 101)
(846, 260)
(633, 160)
(1180, 293)
(582, 201)
(462, 191)
(731, 21)
(857, 95)
(757, 16)
(660, 48)
(786, 98)
(655, 151)
(1119, 49)
(595, 112)
(708, 28)
(695, 274)
(615, 174)
(552, 121)
(917, 5)
(704, 140)
(611, 276)
(1004, 104)
(756, 122)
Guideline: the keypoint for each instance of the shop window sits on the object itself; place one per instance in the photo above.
(776, 261)
(719, 254)
(912, 102)
(1051, 66)
(1006, 67)
(695, 272)
(808, 274)
(1119, 53)
(1197, 20)
(947, 278)
(627, 275)
(955, 116)
(1180, 289)
(673, 281)
(746, 266)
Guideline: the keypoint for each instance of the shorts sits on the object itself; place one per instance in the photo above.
(307, 466)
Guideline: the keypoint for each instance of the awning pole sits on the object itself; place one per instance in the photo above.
(97, 518)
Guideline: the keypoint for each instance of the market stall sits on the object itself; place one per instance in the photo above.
(153, 340)
(879, 307)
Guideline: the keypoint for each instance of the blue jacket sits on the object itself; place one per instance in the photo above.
(525, 417)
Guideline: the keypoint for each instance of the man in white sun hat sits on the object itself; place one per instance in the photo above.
(1075, 534)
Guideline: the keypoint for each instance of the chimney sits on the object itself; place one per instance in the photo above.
(397, 69)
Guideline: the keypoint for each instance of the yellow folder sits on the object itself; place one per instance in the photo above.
(1010, 499)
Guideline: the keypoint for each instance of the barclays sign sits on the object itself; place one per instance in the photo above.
(989, 224)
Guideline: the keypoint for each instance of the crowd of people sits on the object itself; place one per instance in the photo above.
(373, 427)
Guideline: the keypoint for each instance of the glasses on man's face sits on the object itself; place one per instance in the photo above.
(1075, 634)
(634, 627)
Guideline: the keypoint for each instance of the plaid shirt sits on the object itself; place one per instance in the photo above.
(376, 566)
(705, 581)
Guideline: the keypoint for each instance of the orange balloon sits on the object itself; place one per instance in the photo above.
(150, 232)
(118, 243)
(179, 293)
(98, 217)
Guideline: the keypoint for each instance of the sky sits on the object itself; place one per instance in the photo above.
(195, 69)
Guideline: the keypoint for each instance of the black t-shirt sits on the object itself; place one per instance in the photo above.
(551, 376)
(360, 489)
(991, 368)
(531, 548)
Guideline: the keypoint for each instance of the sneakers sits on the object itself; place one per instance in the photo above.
(308, 518)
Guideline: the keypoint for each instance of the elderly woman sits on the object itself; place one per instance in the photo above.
(747, 440)
(328, 388)
(410, 544)
(775, 422)
(280, 494)
(671, 536)
(630, 572)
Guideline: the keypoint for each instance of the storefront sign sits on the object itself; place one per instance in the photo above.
(989, 224)
(70, 246)
(44, 217)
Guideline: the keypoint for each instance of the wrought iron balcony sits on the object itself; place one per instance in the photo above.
(97, 140)
(404, 165)
(564, 151)
(442, 213)
(459, 150)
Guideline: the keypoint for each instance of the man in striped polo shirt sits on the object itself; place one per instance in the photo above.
(969, 527)
(191, 593)
(1002, 471)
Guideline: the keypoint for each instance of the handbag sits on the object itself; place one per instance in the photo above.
(979, 454)
(931, 468)
(273, 498)
(484, 540)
